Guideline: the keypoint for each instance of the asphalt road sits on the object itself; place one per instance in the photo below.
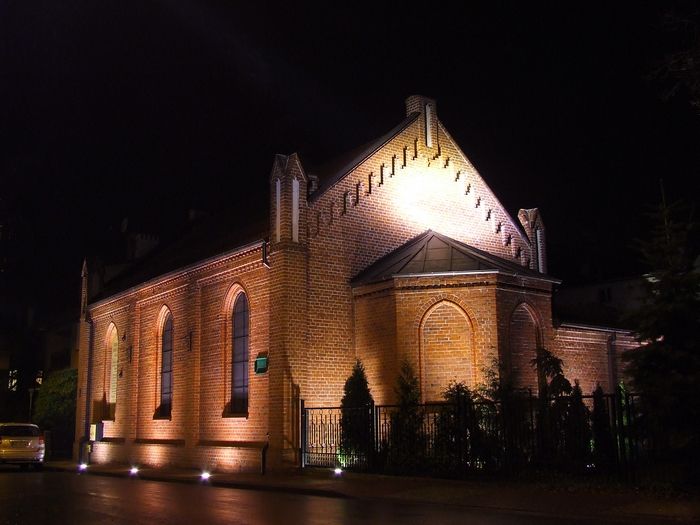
(64, 497)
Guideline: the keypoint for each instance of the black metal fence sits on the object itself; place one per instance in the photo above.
(573, 433)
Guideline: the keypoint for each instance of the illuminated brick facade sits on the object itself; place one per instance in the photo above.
(472, 291)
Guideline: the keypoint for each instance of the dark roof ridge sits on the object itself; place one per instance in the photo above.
(418, 238)
(327, 183)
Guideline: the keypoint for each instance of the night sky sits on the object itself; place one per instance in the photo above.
(146, 109)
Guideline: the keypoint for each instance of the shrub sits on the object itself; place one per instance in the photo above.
(356, 418)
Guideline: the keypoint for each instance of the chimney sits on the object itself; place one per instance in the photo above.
(428, 111)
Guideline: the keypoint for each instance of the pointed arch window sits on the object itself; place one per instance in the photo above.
(105, 408)
(166, 367)
(240, 355)
(114, 366)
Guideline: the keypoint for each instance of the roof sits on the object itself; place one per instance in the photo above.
(333, 171)
(432, 252)
(205, 238)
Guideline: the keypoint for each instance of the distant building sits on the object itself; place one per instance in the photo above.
(609, 303)
(202, 355)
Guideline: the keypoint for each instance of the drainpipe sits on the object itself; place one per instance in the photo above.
(84, 454)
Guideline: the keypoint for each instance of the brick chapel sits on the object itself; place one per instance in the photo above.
(400, 252)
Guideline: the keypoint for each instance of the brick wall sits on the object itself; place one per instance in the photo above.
(446, 349)
(397, 193)
(523, 339)
(200, 301)
(586, 352)
(313, 324)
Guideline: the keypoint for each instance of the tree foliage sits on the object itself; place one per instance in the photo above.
(497, 384)
(407, 440)
(356, 413)
(356, 392)
(665, 368)
(55, 408)
(550, 374)
(678, 71)
(55, 404)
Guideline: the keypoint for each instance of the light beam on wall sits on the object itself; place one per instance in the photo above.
(425, 197)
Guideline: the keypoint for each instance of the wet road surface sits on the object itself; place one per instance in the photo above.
(65, 497)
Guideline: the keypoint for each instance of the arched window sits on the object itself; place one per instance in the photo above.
(524, 338)
(166, 367)
(446, 350)
(239, 364)
(113, 349)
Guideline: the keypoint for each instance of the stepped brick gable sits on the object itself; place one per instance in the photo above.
(398, 252)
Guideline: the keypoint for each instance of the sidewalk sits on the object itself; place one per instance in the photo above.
(623, 504)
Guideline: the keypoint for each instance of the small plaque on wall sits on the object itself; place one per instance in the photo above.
(261, 363)
(96, 431)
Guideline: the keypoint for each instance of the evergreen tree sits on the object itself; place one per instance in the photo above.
(460, 437)
(356, 392)
(577, 430)
(507, 409)
(550, 374)
(665, 368)
(497, 384)
(356, 409)
(407, 437)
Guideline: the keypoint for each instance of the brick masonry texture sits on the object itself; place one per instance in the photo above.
(313, 323)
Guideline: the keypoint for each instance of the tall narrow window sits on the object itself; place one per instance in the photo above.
(166, 369)
(428, 125)
(278, 203)
(295, 210)
(239, 368)
(114, 365)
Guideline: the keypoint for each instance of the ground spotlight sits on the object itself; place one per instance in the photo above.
(82, 467)
(133, 471)
(205, 476)
(338, 471)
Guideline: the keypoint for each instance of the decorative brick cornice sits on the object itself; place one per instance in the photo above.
(107, 310)
(229, 273)
(164, 295)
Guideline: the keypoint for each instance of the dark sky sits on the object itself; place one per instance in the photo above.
(146, 109)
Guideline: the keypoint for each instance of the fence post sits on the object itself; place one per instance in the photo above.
(371, 445)
(621, 432)
(632, 437)
(459, 427)
(534, 429)
(302, 455)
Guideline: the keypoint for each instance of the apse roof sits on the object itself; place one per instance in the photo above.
(432, 252)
